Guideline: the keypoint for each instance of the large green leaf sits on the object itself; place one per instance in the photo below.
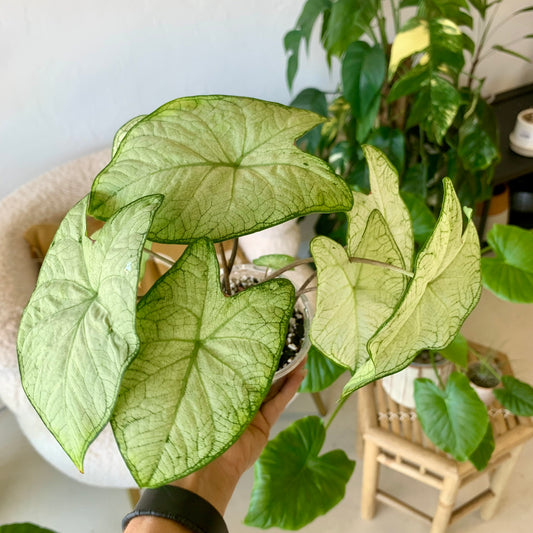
(363, 72)
(227, 166)
(455, 419)
(445, 289)
(480, 457)
(293, 485)
(509, 274)
(354, 299)
(349, 20)
(77, 333)
(385, 197)
(421, 216)
(457, 351)
(312, 100)
(516, 396)
(321, 372)
(205, 364)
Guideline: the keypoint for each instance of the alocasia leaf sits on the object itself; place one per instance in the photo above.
(509, 274)
(480, 457)
(290, 465)
(354, 299)
(204, 366)
(516, 396)
(227, 166)
(455, 419)
(445, 289)
(457, 351)
(77, 333)
(321, 372)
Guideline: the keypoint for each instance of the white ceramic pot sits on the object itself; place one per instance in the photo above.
(521, 138)
(401, 386)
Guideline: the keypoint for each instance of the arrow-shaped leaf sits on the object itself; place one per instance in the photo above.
(516, 396)
(203, 369)
(445, 289)
(227, 166)
(77, 334)
(290, 465)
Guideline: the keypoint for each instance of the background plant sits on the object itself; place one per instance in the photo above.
(408, 86)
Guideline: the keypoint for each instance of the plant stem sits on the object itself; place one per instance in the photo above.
(286, 268)
(303, 289)
(225, 268)
(160, 257)
(233, 255)
(382, 265)
(434, 365)
(486, 250)
(336, 412)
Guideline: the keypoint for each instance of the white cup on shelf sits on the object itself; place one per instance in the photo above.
(521, 138)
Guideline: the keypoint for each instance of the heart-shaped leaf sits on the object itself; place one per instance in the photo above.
(77, 334)
(290, 465)
(509, 274)
(204, 366)
(516, 396)
(445, 289)
(321, 372)
(227, 166)
(457, 351)
(353, 298)
(455, 419)
(480, 457)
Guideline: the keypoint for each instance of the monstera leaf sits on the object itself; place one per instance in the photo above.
(203, 368)
(227, 166)
(445, 289)
(77, 334)
(455, 419)
(290, 467)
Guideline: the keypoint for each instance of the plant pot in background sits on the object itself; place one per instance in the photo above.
(295, 348)
(482, 381)
(401, 386)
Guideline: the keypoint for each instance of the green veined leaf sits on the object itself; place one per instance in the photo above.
(291, 465)
(509, 275)
(385, 197)
(321, 372)
(204, 366)
(510, 52)
(121, 133)
(209, 156)
(445, 289)
(354, 299)
(274, 261)
(454, 419)
(391, 142)
(363, 73)
(480, 457)
(516, 396)
(25, 527)
(80, 320)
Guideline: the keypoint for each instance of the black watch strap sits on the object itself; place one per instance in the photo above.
(181, 506)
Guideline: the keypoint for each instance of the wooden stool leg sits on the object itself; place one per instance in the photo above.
(370, 480)
(498, 482)
(319, 403)
(447, 497)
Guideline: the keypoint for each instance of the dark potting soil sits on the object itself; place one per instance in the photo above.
(295, 333)
(481, 376)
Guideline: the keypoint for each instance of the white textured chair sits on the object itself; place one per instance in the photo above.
(46, 200)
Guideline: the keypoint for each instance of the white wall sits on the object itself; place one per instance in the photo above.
(72, 72)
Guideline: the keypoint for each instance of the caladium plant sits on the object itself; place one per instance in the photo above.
(181, 373)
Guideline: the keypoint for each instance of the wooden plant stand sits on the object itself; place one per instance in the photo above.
(393, 437)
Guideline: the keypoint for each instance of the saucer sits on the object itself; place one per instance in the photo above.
(526, 151)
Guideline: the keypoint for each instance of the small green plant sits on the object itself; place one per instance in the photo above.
(180, 374)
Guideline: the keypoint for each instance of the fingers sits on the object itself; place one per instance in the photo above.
(273, 408)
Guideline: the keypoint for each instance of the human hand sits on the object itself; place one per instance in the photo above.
(216, 481)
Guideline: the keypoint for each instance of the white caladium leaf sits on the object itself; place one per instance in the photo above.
(445, 289)
(121, 133)
(385, 197)
(227, 166)
(205, 364)
(77, 333)
(354, 299)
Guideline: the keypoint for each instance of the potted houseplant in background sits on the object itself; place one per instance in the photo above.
(180, 374)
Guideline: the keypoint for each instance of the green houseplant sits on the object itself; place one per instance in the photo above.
(408, 85)
(181, 373)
